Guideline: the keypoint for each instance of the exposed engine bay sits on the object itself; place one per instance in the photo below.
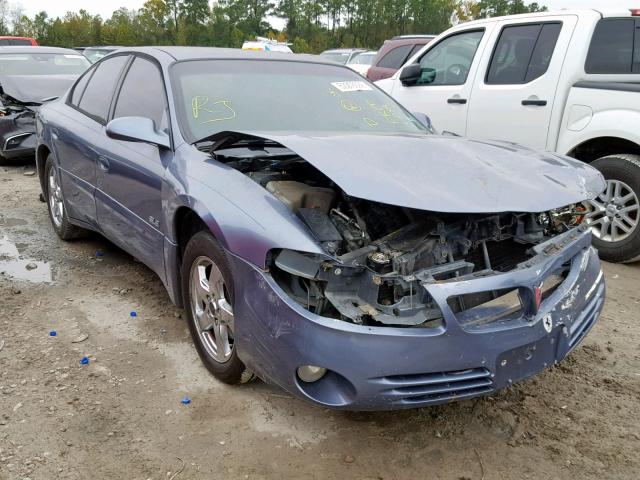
(379, 256)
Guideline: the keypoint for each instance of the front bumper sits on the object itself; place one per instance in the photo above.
(377, 368)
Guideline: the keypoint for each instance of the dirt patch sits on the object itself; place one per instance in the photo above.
(121, 416)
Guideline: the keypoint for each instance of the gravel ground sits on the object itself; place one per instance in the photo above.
(121, 415)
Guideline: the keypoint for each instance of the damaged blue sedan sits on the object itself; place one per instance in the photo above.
(318, 235)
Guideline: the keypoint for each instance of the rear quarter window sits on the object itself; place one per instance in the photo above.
(78, 90)
(612, 47)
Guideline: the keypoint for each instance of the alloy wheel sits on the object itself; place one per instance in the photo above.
(56, 203)
(613, 215)
(211, 309)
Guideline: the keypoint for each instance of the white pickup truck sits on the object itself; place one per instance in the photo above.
(565, 82)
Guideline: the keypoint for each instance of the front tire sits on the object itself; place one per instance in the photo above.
(614, 216)
(56, 204)
(207, 289)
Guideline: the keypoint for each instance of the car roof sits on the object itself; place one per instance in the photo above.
(593, 12)
(34, 49)
(214, 53)
(403, 37)
(103, 47)
(345, 50)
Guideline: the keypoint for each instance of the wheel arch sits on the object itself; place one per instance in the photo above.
(598, 147)
(42, 153)
(186, 223)
(187, 220)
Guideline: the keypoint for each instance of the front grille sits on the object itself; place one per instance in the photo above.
(489, 309)
(436, 387)
(481, 308)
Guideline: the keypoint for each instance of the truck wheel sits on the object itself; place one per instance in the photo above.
(614, 216)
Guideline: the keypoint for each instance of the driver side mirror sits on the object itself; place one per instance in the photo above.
(416, 74)
(410, 74)
(137, 129)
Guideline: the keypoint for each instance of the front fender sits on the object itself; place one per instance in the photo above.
(243, 216)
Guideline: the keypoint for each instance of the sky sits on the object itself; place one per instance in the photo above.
(106, 7)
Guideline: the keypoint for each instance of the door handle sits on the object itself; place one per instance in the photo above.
(459, 101)
(103, 163)
(534, 103)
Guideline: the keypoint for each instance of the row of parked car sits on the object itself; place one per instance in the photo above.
(377, 65)
(92, 53)
(352, 256)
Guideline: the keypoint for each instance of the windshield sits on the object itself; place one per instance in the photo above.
(363, 59)
(253, 95)
(42, 64)
(339, 57)
(23, 42)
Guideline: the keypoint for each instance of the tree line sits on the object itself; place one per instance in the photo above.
(310, 25)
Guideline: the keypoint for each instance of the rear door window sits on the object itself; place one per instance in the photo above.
(96, 99)
(612, 47)
(522, 53)
(395, 58)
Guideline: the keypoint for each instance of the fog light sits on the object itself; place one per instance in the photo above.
(311, 373)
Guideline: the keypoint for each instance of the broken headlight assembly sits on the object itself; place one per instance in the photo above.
(354, 293)
(562, 219)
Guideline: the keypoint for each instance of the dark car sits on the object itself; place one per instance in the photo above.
(28, 77)
(394, 53)
(350, 256)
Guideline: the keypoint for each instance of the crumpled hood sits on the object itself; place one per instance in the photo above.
(35, 88)
(445, 174)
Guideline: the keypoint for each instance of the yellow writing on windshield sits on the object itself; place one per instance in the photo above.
(386, 111)
(350, 106)
(211, 112)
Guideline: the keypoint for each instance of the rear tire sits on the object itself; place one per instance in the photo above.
(56, 205)
(614, 216)
(207, 290)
